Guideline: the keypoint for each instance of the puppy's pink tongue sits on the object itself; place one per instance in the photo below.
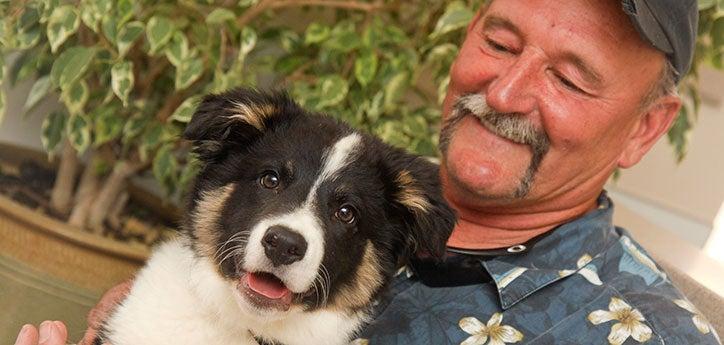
(266, 285)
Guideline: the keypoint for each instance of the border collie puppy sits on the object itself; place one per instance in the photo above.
(294, 227)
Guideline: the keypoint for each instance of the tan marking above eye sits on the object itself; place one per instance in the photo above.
(409, 194)
(253, 114)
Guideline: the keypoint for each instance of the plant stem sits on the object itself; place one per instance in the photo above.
(84, 196)
(62, 194)
(112, 187)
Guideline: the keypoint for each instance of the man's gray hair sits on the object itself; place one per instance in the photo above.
(664, 85)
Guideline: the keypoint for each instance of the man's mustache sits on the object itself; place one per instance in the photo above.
(512, 126)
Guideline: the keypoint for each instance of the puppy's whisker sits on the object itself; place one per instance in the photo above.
(235, 250)
(236, 237)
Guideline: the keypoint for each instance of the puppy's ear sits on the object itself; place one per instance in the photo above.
(237, 118)
(416, 191)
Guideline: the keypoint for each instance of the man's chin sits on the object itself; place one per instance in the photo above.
(464, 189)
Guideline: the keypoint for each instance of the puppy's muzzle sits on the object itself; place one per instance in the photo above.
(283, 246)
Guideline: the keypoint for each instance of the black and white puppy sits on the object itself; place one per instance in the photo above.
(295, 225)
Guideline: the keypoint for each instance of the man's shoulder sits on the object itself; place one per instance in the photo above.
(642, 285)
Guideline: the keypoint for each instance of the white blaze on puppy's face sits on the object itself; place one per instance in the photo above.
(299, 276)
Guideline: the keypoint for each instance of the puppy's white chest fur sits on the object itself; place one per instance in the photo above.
(179, 299)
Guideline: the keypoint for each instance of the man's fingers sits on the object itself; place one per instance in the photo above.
(28, 336)
(51, 334)
(108, 302)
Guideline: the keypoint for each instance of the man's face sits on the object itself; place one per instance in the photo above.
(572, 71)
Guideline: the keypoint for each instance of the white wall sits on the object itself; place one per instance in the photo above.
(682, 198)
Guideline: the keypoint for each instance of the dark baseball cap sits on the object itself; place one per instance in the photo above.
(669, 25)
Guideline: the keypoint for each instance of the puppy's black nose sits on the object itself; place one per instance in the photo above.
(283, 246)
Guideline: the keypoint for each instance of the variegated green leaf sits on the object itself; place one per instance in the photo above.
(108, 125)
(177, 49)
(37, 93)
(78, 132)
(27, 39)
(332, 91)
(247, 3)
(365, 67)
(164, 167)
(75, 97)
(395, 88)
(71, 65)
(159, 31)
(184, 111)
(47, 9)
(189, 172)
(150, 139)
(52, 130)
(188, 72)
(247, 41)
(316, 33)
(62, 24)
(109, 26)
(456, 16)
(127, 36)
(219, 16)
(93, 11)
(122, 80)
(27, 29)
(124, 10)
(133, 127)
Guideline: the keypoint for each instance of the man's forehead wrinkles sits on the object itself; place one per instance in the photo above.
(590, 74)
(493, 21)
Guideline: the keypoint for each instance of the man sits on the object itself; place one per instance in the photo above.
(547, 98)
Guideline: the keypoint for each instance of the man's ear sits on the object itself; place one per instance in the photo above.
(651, 125)
(236, 118)
(416, 191)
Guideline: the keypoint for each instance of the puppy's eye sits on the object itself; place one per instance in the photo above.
(346, 214)
(269, 180)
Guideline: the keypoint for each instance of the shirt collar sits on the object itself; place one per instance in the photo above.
(571, 248)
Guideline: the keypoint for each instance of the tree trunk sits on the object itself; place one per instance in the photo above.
(109, 192)
(116, 211)
(62, 195)
(86, 193)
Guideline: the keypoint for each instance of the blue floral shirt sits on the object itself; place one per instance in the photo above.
(587, 282)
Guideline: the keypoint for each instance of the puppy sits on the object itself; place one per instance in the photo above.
(295, 225)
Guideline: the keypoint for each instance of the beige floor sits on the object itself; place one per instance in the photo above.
(27, 296)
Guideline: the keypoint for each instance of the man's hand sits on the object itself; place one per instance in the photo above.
(55, 332)
(100, 312)
(51, 333)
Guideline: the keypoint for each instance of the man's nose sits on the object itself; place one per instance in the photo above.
(513, 89)
(283, 246)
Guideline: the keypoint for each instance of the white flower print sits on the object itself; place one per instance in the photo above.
(588, 272)
(630, 322)
(699, 320)
(497, 333)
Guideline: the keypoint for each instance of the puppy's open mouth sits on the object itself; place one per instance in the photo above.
(265, 291)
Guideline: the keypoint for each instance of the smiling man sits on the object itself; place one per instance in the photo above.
(546, 99)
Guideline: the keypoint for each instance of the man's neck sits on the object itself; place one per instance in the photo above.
(485, 229)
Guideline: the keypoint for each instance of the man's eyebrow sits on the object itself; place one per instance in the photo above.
(496, 22)
(589, 73)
